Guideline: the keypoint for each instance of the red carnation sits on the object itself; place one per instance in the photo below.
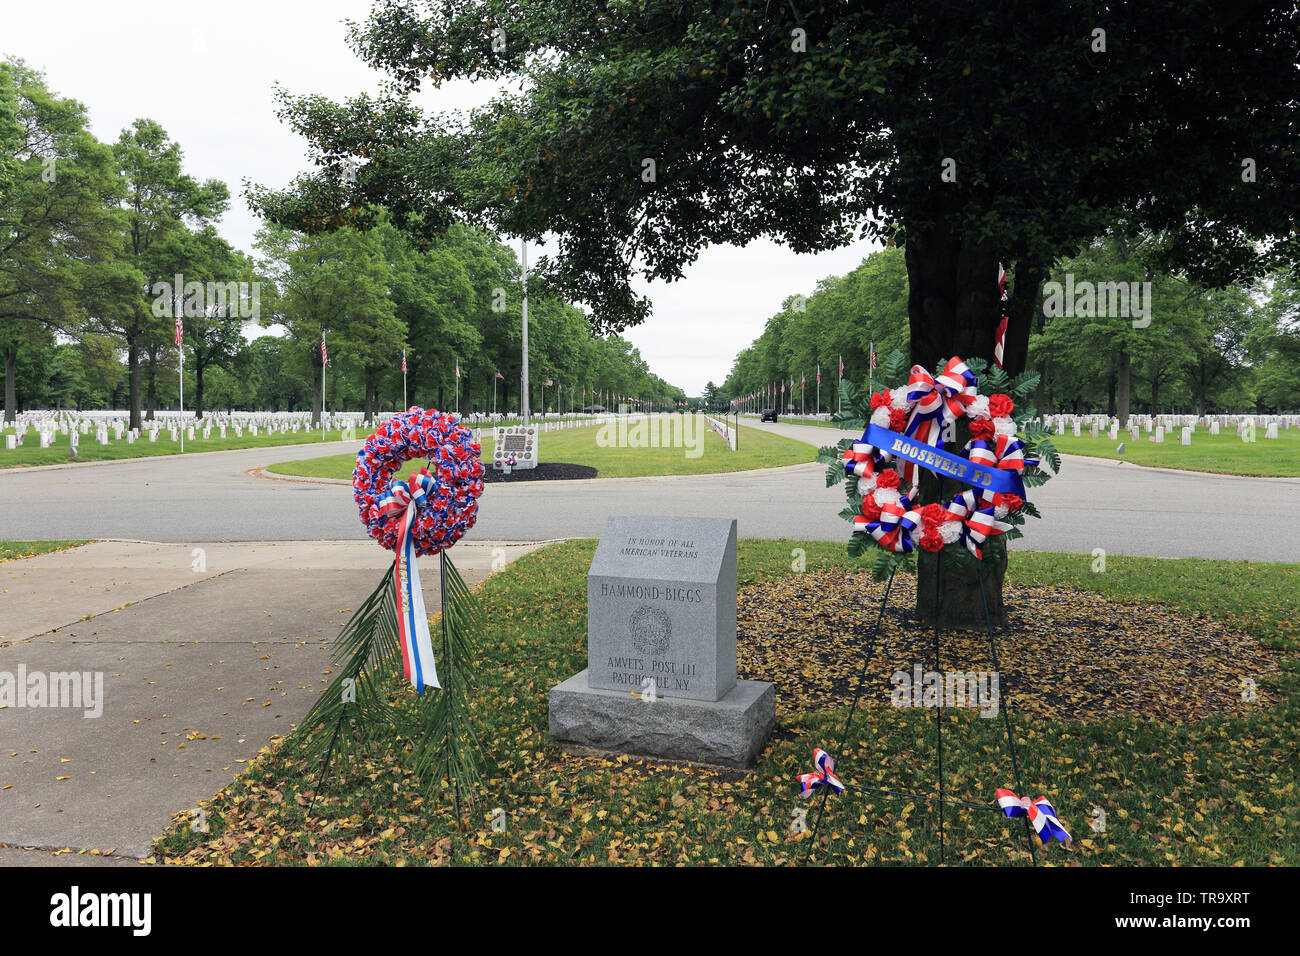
(897, 419)
(933, 515)
(870, 510)
(982, 429)
(931, 541)
(1001, 406)
(881, 400)
(1013, 502)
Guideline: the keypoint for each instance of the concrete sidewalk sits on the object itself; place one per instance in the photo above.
(204, 658)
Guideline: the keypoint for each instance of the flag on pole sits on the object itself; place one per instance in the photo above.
(403, 361)
(548, 383)
(180, 331)
(841, 366)
(819, 374)
(324, 356)
(803, 380)
(458, 368)
(502, 377)
(1000, 337)
(873, 355)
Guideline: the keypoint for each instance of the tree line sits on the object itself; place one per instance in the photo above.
(1114, 334)
(101, 244)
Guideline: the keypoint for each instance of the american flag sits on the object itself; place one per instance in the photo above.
(548, 383)
(458, 368)
(180, 331)
(873, 355)
(500, 376)
(403, 361)
(324, 356)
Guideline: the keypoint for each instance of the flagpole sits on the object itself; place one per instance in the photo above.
(840, 402)
(819, 389)
(404, 405)
(523, 280)
(180, 369)
(871, 368)
(324, 360)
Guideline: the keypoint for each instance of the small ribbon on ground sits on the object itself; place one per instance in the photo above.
(1041, 814)
(823, 776)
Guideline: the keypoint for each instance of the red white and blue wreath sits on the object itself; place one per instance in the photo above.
(424, 514)
(913, 426)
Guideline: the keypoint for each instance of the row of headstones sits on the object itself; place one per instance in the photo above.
(47, 426)
(1158, 427)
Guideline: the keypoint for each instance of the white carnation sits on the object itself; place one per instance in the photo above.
(898, 398)
(886, 496)
(880, 417)
(978, 408)
(1004, 426)
(1001, 511)
(950, 531)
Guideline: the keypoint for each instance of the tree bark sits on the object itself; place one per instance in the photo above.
(11, 391)
(198, 392)
(954, 309)
(133, 376)
(1122, 369)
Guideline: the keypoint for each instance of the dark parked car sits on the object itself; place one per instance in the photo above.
(768, 415)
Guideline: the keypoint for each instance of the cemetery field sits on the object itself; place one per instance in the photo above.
(1224, 453)
(1127, 717)
(12, 550)
(88, 449)
(579, 446)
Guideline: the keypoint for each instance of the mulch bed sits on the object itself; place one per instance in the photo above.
(545, 471)
(1064, 654)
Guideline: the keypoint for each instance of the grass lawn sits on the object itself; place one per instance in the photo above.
(1218, 790)
(12, 550)
(1224, 452)
(88, 449)
(580, 446)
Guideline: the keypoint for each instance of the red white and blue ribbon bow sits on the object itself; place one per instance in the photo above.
(412, 621)
(859, 460)
(893, 531)
(823, 776)
(939, 398)
(978, 524)
(1041, 814)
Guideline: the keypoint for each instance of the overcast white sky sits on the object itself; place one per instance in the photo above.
(206, 72)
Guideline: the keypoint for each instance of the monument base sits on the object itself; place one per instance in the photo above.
(728, 732)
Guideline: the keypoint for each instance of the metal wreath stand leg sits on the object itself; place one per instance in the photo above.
(857, 693)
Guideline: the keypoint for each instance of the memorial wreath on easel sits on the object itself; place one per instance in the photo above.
(425, 514)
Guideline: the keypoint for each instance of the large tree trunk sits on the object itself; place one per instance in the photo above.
(133, 376)
(198, 392)
(151, 393)
(953, 309)
(1122, 370)
(11, 392)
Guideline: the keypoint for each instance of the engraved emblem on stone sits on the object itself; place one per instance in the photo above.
(651, 630)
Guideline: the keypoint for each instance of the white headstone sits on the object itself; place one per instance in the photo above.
(1187, 436)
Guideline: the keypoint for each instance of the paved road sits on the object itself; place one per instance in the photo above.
(1121, 508)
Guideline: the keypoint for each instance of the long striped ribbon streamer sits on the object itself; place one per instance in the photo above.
(412, 622)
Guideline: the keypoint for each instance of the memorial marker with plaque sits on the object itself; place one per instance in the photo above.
(661, 648)
(514, 441)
